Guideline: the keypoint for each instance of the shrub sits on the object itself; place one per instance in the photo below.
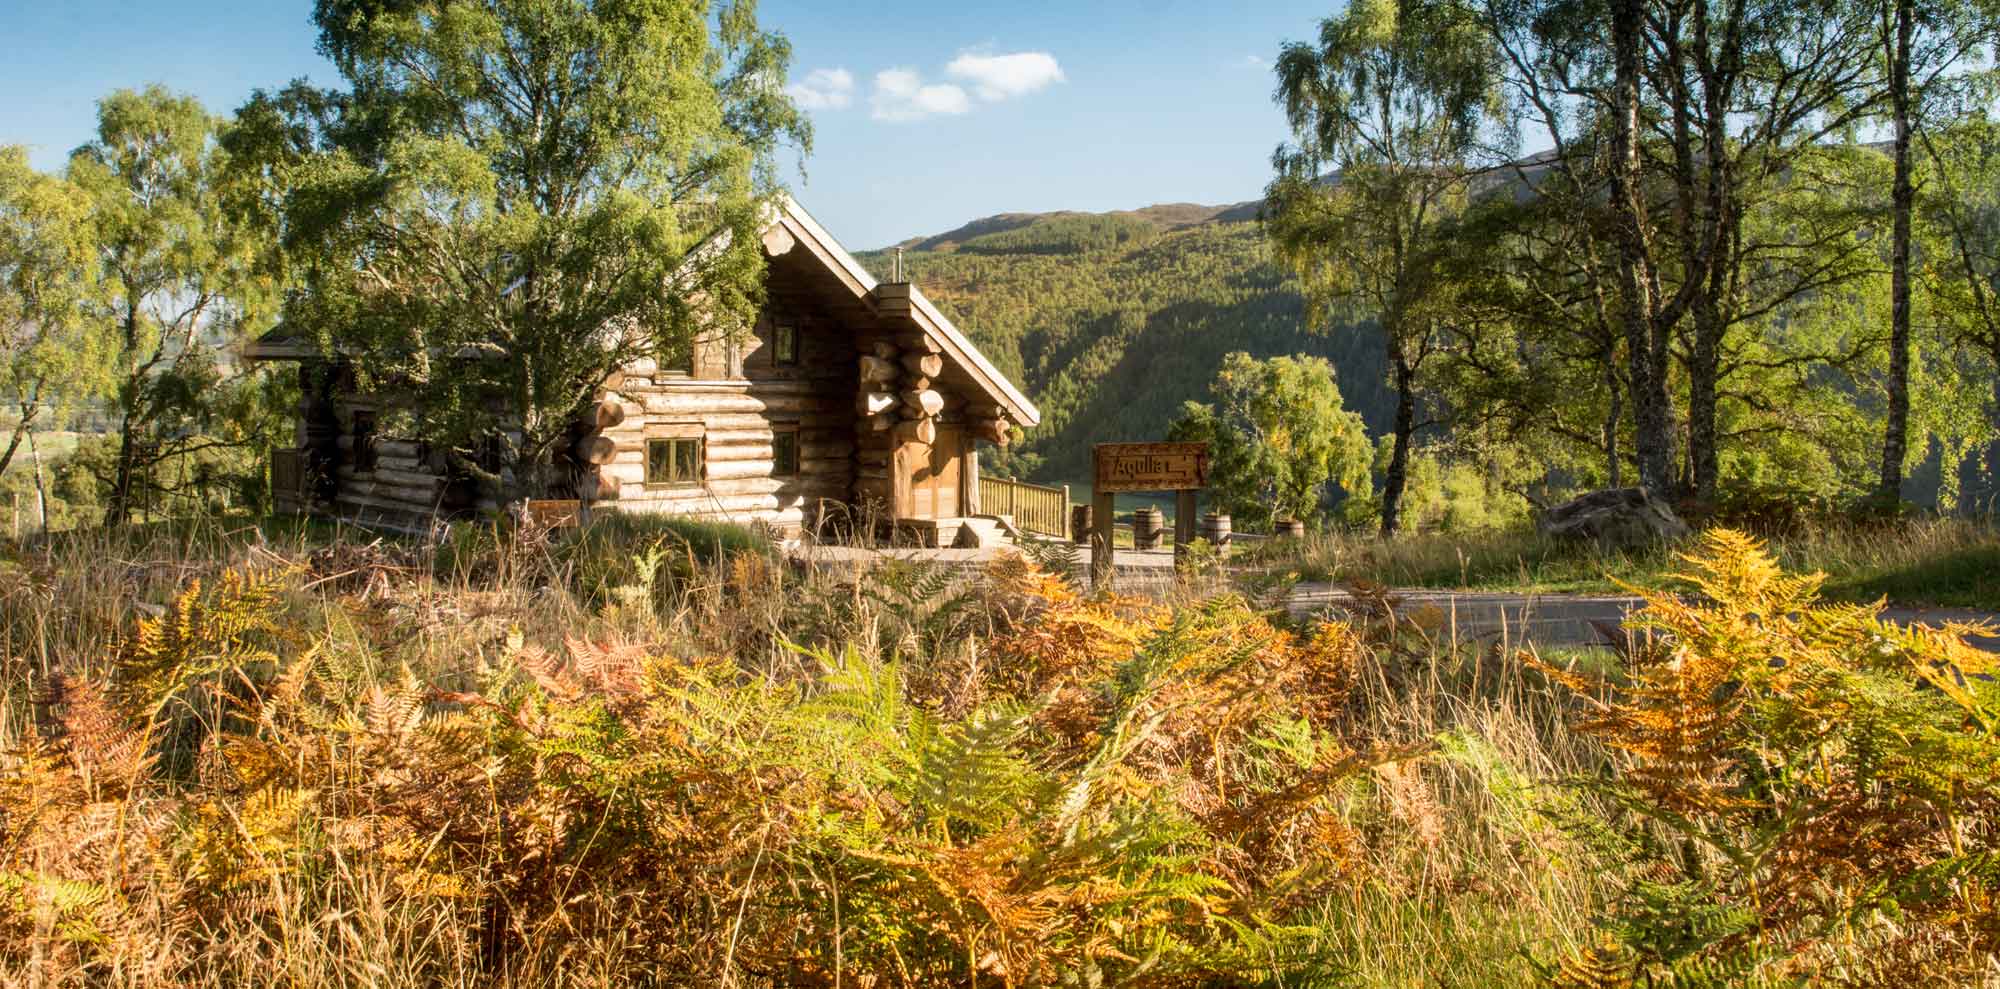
(1140, 795)
(1809, 793)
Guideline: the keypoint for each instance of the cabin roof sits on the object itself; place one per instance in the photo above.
(958, 348)
(281, 344)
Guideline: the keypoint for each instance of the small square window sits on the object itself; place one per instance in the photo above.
(785, 453)
(673, 461)
(785, 343)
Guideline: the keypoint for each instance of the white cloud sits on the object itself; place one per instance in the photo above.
(902, 94)
(823, 89)
(1256, 61)
(1000, 77)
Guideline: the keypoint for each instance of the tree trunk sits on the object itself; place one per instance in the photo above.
(1895, 438)
(1614, 468)
(41, 484)
(1399, 453)
(24, 427)
(1704, 367)
(1652, 438)
(120, 510)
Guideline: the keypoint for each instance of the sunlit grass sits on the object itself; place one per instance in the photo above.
(1932, 562)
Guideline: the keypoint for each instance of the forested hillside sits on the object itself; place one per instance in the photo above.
(1111, 321)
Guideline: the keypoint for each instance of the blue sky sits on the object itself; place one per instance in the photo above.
(927, 114)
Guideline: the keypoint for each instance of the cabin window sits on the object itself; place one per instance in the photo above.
(675, 460)
(364, 440)
(785, 452)
(785, 343)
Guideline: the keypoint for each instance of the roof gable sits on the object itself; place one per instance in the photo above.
(957, 347)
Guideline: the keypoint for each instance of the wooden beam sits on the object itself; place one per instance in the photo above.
(876, 371)
(922, 403)
(870, 403)
(919, 342)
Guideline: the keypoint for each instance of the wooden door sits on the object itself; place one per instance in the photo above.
(937, 475)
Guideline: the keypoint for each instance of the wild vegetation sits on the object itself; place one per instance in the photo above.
(633, 762)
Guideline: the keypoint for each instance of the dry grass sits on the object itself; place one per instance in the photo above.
(358, 767)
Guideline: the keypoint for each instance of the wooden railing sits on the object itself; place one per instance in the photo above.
(1035, 509)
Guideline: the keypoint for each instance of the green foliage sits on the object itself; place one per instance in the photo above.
(1398, 100)
(1066, 234)
(1277, 435)
(1798, 776)
(1110, 344)
(516, 197)
(179, 289)
(51, 353)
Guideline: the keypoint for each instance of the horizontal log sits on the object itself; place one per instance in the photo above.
(876, 371)
(738, 437)
(878, 423)
(885, 349)
(596, 449)
(993, 430)
(732, 470)
(870, 403)
(608, 413)
(874, 458)
(919, 342)
(923, 403)
(424, 497)
(778, 241)
(923, 365)
(697, 403)
(915, 384)
(826, 449)
(705, 504)
(917, 431)
(984, 410)
(745, 451)
(406, 478)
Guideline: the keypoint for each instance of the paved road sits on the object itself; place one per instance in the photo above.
(1561, 619)
(1549, 620)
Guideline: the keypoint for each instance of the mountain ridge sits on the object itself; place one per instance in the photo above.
(1166, 216)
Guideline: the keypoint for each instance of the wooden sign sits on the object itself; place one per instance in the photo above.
(552, 513)
(1151, 467)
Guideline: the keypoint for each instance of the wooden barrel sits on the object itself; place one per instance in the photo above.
(1079, 524)
(1149, 527)
(1215, 529)
(1289, 529)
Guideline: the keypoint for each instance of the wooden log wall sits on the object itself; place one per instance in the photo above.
(404, 489)
(737, 420)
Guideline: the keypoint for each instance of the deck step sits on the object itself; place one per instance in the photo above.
(980, 533)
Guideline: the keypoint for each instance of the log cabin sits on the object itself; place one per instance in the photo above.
(850, 398)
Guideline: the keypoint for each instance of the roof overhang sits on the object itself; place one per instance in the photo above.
(279, 344)
(957, 347)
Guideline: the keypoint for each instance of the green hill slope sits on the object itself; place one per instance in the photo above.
(1110, 321)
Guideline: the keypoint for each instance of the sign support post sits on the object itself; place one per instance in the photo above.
(1103, 508)
(1184, 523)
(1177, 467)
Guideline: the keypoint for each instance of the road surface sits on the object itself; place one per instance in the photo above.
(1561, 619)
(1543, 619)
